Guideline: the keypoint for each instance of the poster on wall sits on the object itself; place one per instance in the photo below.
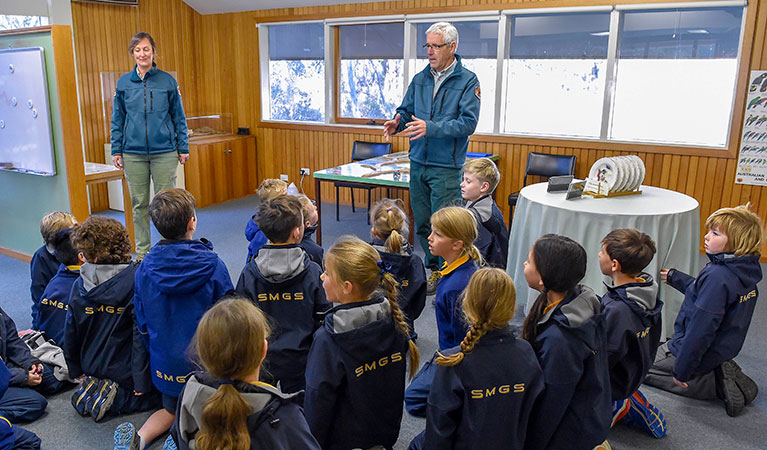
(752, 160)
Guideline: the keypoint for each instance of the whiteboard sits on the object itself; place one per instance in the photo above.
(26, 142)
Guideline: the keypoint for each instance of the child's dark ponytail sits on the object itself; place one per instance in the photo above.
(561, 263)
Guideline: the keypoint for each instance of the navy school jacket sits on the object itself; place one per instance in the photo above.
(633, 327)
(316, 253)
(102, 339)
(7, 435)
(485, 401)
(277, 421)
(256, 237)
(492, 234)
(409, 271)
(575, 410)
(14, 351)
(286, 285)
(52, 311)
(716, 312)
(41, 269)
(175, 284)
(355, 377)
(451, 325)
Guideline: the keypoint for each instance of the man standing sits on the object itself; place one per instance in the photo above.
(439, 113)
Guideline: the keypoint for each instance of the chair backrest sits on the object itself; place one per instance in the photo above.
(548, 165)
(366, 150)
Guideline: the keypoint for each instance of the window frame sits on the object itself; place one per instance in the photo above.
(504, 17)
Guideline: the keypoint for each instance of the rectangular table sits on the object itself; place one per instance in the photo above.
(101, 173)
(352, 173)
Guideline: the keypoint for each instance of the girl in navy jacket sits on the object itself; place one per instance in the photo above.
(566, 329)
(52, 309)
(389, 227)
(226, 406)
(355, 377)
(491, 371)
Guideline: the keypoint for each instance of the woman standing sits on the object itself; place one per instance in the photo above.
(149, 135)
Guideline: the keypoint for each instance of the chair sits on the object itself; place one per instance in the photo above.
(361, 151)
(544, 165)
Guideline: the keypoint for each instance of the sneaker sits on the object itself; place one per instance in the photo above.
(727, 388)
(603, 446)
(83, 394)
(103, 400)
(169, 444)
(620, 409)
(745, 384)
(642, 414)
(126, 437)
(431, 283)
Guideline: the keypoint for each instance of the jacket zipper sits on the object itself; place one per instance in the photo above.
(443, 101)
(151, 100)
(146, 127)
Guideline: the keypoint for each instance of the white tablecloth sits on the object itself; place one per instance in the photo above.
(670, 218)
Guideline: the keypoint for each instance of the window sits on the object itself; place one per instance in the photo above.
(371, 70)
(555, 74)
(297, 72)
(478, 48)
(676, 75)
(11, 22)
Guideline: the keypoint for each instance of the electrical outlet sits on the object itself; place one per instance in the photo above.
(283, 177)
(305, 171)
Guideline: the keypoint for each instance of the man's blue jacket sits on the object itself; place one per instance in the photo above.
(451, 116)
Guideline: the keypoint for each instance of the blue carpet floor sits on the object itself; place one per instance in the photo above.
(692, 424)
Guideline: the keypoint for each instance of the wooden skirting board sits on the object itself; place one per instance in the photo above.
(15, 254)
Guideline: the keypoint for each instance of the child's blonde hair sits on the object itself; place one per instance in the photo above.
(744, 229)
(230, 344)
(307, 206)
(489, 302)
(485, 170)
(351, 259)
(55, 221)
(390, 222)
(458, 224)
(271, 188)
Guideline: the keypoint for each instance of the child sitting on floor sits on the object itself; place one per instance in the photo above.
(44, 265)
(316, 253)
(711, 326)
(480, 178)
(102, 342)
(52, 311)
(268, 190)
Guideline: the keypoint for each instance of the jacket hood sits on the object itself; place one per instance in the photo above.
(746, 268)
(180, 267)
(380, 245)
(644, 293)
(576, 309)
(353, 326)
(264, 399)
(278, 263)
(481, 207)
(95, 274)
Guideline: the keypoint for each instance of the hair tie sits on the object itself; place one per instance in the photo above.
(384, 267)
(223, 382)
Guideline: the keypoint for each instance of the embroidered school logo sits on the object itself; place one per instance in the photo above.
(89, 310)
(747, 297)
(477, 93)
(643, 333)
(500, 390)
(171, 378)
(54, 304)
(373, 365)
(264, 297)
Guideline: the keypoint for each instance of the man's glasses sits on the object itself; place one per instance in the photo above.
(433, 46)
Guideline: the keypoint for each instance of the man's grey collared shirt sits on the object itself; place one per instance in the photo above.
(439, 77)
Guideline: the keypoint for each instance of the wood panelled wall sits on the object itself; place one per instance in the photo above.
(225, 48)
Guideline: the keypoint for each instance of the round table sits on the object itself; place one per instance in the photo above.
(672, 220)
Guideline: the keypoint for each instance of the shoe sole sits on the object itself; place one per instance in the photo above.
(734, 401)
(643, 410)
(104, 401)
(745, 384)
(125, 437)
(79, 401)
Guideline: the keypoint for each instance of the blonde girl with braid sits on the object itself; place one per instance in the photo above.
(355, 375)
(453, 232)
(388, 232)
(225, 406)
(491, 371)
